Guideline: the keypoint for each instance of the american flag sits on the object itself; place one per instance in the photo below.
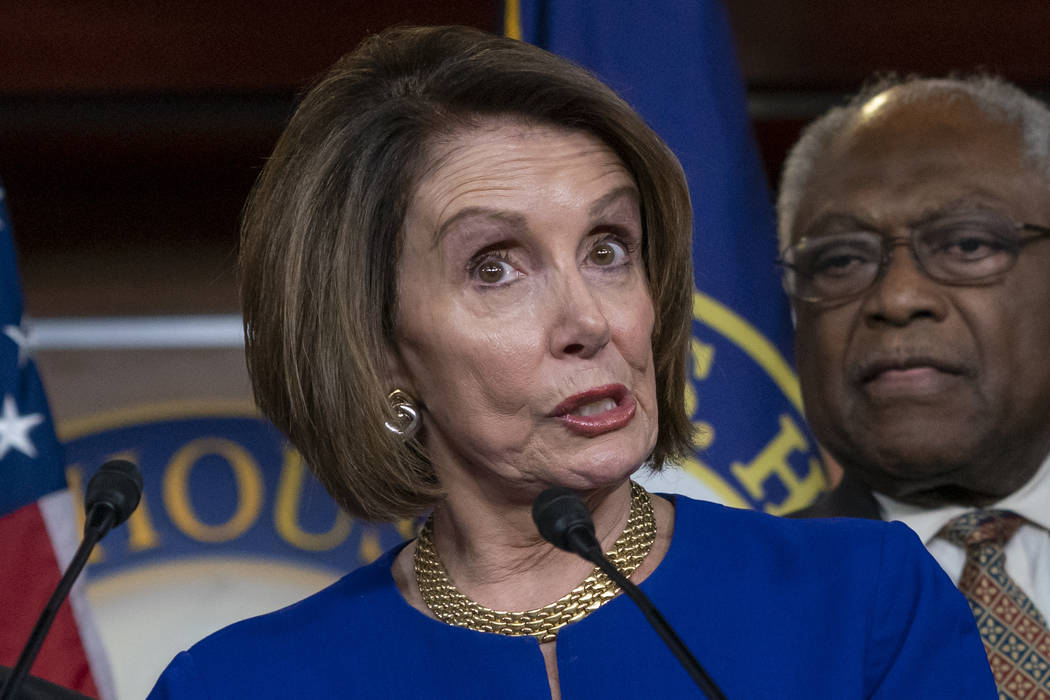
(37, 531)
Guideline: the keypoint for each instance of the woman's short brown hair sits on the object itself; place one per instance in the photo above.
(321, 237)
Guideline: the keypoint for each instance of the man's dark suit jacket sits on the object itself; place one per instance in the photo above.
(849, 499)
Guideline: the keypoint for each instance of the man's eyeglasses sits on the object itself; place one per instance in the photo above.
(958, 249)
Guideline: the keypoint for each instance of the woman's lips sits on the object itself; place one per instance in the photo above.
(597, 411)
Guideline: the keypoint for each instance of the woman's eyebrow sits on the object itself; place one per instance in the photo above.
(512, 220)
(606, 201)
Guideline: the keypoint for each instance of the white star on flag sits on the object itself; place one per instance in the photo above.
(14, 429)
(21, 339)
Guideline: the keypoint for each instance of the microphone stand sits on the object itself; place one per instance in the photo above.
(584, 544)
(100, 521)
(564, 520)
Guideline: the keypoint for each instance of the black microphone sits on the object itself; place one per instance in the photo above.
(111, 496)
(564, 521)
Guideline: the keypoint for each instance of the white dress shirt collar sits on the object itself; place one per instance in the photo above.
(1031, 501)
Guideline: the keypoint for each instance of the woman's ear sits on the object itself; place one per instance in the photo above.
(401, 396)
(397, 375)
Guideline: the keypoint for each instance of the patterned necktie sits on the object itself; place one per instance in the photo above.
(1014, 633)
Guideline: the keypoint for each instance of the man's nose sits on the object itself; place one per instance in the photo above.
(903, 291)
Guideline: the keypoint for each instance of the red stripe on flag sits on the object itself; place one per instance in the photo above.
(29, 573)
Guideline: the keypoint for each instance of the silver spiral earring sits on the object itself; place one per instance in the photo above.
(406, 415)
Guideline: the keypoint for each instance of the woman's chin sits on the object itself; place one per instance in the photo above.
(601, 470)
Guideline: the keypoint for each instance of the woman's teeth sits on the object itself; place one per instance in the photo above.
(595, 407)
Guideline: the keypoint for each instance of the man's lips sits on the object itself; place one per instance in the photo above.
(908, 377)
(874, 368)
(596, 411)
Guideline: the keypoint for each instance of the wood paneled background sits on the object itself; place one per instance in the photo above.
(130, 132)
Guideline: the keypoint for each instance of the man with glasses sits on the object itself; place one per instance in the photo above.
(915, 234)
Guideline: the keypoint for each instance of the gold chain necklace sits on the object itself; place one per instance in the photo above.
(451, 606)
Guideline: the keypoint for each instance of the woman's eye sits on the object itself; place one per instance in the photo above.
(495, 271)
(608, 253)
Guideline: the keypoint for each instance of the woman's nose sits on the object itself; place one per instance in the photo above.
(580, 327)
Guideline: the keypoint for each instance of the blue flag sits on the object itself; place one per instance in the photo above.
(31, 461)
(674, 63)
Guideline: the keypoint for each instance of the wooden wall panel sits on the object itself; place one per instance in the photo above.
(803, 56)
(198, 45)
(130, 132)
(815, 44)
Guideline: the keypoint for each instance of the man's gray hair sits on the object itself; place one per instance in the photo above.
(994, 96)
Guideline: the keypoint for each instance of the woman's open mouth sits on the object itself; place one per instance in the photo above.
(597, 411)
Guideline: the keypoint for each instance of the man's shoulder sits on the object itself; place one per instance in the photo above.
(850, 499)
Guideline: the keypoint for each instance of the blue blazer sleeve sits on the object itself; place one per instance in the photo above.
(923, 634)
(179, 680)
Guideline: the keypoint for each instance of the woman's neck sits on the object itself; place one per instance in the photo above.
(495, 556)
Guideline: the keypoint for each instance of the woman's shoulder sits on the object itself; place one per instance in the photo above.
(789, 549)
(843, 607)
(364, 591)
(742, 524)
(337, 621)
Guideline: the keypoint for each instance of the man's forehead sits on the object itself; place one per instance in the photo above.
(906, 156)
(898, 118)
